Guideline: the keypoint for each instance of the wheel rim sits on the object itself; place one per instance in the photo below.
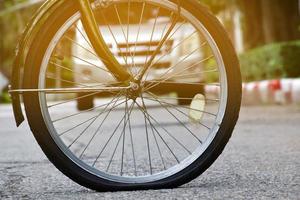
(148, 170)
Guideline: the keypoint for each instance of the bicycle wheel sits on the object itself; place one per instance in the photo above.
(133, 136)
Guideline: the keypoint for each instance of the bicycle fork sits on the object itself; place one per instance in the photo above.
(104, 53)
(97, 41)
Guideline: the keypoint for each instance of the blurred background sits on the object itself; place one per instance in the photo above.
(265, 33)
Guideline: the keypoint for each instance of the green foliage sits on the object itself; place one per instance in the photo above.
(271, 61)
(11, 27)
(217, 6)
(5, 98)
(67, 63)
(214, 5)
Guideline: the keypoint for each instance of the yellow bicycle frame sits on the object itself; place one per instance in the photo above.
(98, 43)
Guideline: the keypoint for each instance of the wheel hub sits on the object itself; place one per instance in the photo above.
(134, 91)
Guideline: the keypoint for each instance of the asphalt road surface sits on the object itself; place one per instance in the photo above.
(261, 161)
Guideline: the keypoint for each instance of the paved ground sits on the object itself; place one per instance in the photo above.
(261, 161)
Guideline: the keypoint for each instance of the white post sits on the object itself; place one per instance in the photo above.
(3, 82)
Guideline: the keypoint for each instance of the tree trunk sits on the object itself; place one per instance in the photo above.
(267, 21)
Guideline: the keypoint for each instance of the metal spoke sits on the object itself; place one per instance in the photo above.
(183, 112)
(156, 142)
(114, 37)
(161, 38)
(84, 48)
(90, 124)
(158, 148)
(61, 134)
(168, 78)
(179, 121)
(195, 73)
(104, 147)
(154, 97)
(107, 142)
(78, 113)
(161, 43)
(101, 124)
(132, 146)
(73, 99)
(65, 81)
(151, 37)
(179, 98)
(91, 64)
(87, 41)
(139, 29)
(127, 30)
(173, 48)
(148, 117)
(114, 152)
(71, 90)
(124, 35)
(175, 31)
(147, 135)
(174, 66)
(183, 70)
(148, 146)
(70, 70)
(78, 125)
(122, 135)
(178, 142)
(186, 83)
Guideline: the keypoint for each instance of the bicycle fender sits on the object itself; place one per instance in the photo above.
(22, 50)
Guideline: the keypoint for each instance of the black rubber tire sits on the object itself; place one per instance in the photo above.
(85, 102)
(79, 175)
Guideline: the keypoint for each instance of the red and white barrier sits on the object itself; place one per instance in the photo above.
(280, 91)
